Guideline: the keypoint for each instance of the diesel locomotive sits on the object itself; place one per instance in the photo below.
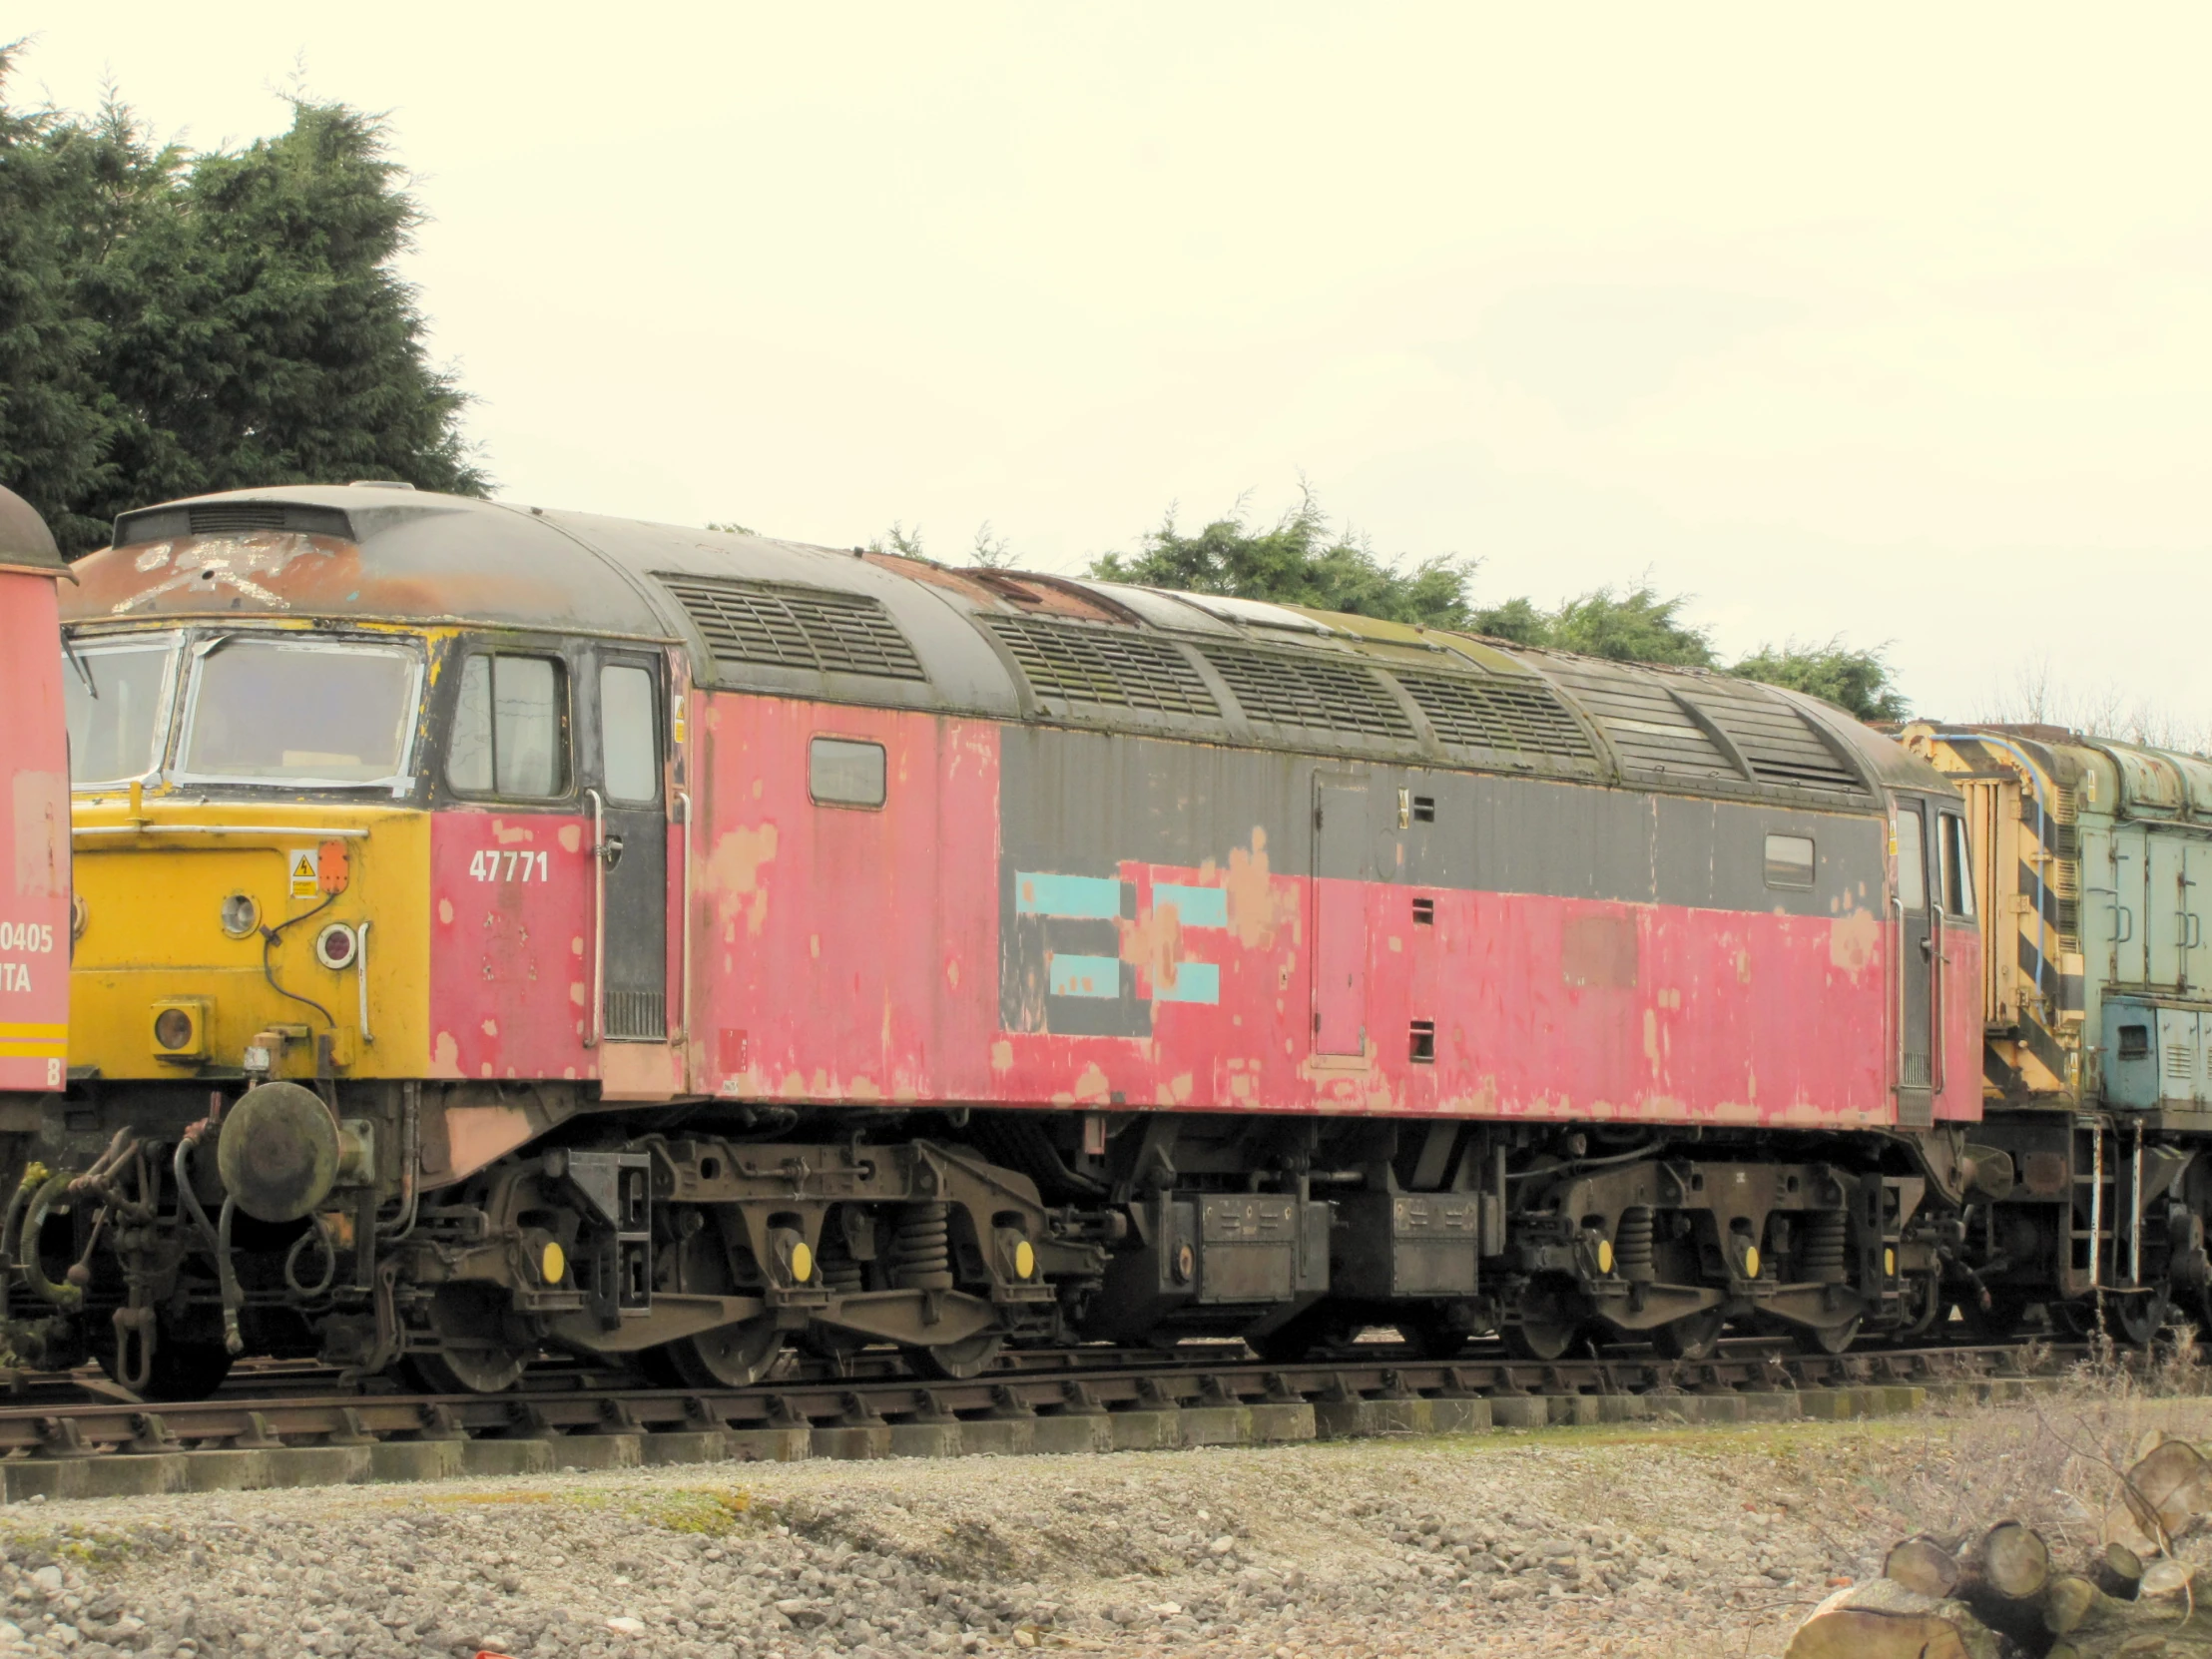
(505, 933)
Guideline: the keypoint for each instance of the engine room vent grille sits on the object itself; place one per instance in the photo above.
(1512, 716)
(1105, 665)
(1775, 738)
(1650, 729)
(1312, 693)
(804, 628)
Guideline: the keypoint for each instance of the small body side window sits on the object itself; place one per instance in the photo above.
(511, 729)
(1912, 860)
(844, 773)
(1789, 861)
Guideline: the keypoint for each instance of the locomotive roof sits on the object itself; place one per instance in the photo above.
(785, 618)
(2140, 781)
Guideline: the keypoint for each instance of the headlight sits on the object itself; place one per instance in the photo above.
(239, 915)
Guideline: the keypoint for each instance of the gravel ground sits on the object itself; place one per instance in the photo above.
(1634, 1540)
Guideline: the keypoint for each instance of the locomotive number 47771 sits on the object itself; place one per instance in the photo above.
(492, 865)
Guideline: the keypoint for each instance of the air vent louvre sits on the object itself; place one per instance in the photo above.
(227, 517)
(803, 628)
(1776, 738)
(1518, 717)
(1105, 665)
(1650, 731)
(1309, 692)
(636, 1016)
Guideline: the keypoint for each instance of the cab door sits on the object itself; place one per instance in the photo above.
(626, 789)
(1915, 925)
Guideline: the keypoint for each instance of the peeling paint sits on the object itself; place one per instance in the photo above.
(1853, 941)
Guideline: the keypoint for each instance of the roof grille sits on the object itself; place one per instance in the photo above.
(1776, 738)
(804, 628)
(1651, 732)
(1512, 716)
(227, 517)
(1309, 692)
(1104, 665)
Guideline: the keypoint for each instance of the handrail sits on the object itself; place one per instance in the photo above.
(323, 831)
(360, 969)
(1938, 1072)
(598, 916)
(682, 930)
(1897, 903)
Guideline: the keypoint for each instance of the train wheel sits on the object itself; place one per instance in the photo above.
(1825, 1339)
(2136, 1320)
(472, 1357)
(732, 1356)
(1540, 1340)
(1697, 1336)
(958, 1361)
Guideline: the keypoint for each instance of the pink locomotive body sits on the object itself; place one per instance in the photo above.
(34, 812)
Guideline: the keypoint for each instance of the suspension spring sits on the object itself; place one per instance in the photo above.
(921, 1248)
(1632, 1242)
(1821, 1256)
(835, 1267)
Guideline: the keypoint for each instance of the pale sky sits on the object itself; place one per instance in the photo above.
(1894, 321)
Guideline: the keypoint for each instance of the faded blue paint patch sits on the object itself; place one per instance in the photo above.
(1193, 983)
(1194, 907)
(1085, 975)
(1038, 893)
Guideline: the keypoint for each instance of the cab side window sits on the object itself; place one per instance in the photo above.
(1958, 867)
(511, 729)
(1912, 860)
(629, 733)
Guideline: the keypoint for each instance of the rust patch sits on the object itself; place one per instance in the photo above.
(1599, 950)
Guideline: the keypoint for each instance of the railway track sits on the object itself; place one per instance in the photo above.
(296, 1424)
